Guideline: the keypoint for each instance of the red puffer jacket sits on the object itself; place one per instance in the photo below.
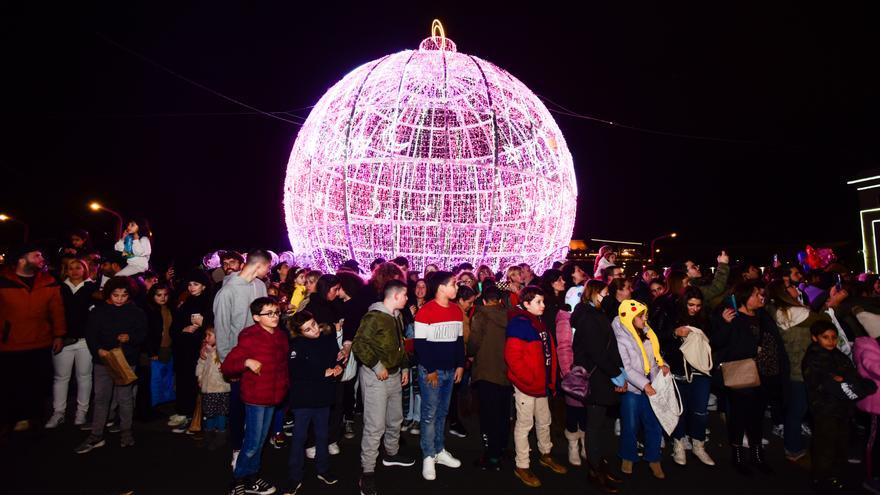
(269, 388)
(29, 318)
(529, 367)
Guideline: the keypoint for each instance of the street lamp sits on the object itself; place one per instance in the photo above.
(671, 235)
(95, 206)
(27, 230)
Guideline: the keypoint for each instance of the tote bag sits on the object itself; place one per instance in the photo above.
(161, 382)
(666, 403)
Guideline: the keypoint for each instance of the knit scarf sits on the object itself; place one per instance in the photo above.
(628, 310)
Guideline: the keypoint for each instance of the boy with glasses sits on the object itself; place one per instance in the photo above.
(260, 360)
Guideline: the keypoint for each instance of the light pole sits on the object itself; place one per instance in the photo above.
(27, 229)
(671, 235)
(95, 206)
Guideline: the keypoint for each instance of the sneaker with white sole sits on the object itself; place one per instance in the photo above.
(415, 429)
(91, 443)
(56, 420)
(259, 487)
(397, 459)
(333, 448)
(176, 420)
(444, 458)
(428, 470)
(328, 478)
(182, 427)
(310, 452)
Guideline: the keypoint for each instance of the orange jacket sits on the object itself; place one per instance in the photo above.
(29, 318)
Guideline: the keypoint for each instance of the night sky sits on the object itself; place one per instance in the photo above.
(787, 98)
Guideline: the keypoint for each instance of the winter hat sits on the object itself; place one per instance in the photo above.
(197, 276)
(628, 310)
(21, 251)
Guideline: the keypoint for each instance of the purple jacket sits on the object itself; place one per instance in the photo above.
(867, 357)
(631, 356)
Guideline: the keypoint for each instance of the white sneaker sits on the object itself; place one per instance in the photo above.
(333, 448)
(234, 458)
(54, 421)
(444, 458)
(80, 419)
(428, 471)
(678, 452)
(310, 452)
(176, 420)
(701, 454)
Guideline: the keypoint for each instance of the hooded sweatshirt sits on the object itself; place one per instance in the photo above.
(232, 312)
(378, 343)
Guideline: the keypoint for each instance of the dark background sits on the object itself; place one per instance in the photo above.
(791, 91)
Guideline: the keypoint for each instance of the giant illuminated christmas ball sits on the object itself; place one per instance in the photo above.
(434, 155)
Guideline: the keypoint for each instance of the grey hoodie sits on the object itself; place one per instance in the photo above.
(232, 310)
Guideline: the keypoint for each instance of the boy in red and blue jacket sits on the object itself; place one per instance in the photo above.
(260, 359)
(530, 355)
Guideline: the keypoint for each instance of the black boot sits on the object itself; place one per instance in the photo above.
(738, 458)
(600, 480)
(758, 459)
(605, 469)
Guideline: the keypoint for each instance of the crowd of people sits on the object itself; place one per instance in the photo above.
(290, 356)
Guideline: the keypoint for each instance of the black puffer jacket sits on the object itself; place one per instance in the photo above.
(594, 346)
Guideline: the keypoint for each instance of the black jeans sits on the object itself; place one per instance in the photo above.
(25, 384)
(186, 385)
(744, 416)
(829, 446)
(597, 427)
(494, 416)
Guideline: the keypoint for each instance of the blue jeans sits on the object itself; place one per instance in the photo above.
(319, 418)
(795, 410)
(635, 412)
(215, 423)
(257, 420)
(435, 406)
(694, 398)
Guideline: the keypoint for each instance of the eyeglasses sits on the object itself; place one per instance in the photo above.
(270, 313)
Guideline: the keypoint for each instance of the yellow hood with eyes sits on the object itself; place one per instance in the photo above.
(627, 311)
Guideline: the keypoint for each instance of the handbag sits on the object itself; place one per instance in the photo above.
(697, 353)
(740, 374)
(119, 368)
(577, 383)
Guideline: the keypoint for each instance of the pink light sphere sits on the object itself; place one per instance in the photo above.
(434, 155)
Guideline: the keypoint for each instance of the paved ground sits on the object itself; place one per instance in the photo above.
(167, 463)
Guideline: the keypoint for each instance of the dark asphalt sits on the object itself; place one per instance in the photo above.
(43, 462)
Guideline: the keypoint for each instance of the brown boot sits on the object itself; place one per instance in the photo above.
(626, 467)
(598, 479)
(657, 469)
(527, 477)
(554, 466)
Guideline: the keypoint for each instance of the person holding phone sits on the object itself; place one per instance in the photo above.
(188, 326)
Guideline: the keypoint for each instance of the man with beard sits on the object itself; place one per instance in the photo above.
(33, 326)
